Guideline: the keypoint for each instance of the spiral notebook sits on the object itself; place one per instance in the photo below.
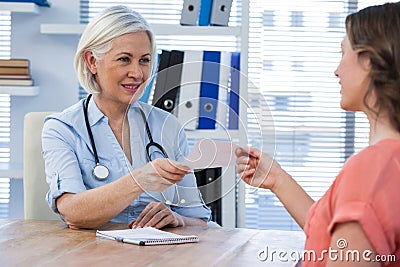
(146, 236)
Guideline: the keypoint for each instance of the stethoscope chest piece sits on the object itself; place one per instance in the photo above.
(100, 172)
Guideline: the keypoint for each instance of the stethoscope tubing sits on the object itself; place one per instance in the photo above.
(101, 172)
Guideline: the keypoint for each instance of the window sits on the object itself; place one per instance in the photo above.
(5, 53)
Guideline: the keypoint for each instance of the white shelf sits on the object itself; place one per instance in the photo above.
(19, 90)
(19, 7)
(159, 29)
(8, 170)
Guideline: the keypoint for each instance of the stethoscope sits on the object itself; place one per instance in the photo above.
(101, 172)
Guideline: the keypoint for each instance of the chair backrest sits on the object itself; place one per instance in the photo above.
(35, 186)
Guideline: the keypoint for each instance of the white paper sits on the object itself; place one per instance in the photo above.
(208, 153)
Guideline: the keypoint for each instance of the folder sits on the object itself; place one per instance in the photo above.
(172, 84)
(233, 121)
(223, 88)
(205, 12)
(161, 78)
(209, 183)
(38, 2)
(190, 12)
(146, 93)
(209, 89)
(220, 12)
(188, 104)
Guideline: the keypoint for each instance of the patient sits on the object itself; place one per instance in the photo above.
(361, 209)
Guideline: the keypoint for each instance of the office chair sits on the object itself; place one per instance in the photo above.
(35, 186)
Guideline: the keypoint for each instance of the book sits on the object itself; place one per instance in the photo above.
(14, 70)
(14, 62)
(16, 82)
(146, 236)
(15, 76)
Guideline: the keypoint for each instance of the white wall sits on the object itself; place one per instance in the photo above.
(51, 58)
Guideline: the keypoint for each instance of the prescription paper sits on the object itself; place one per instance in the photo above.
(208, 153)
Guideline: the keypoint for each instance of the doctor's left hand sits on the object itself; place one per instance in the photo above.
(157, 215)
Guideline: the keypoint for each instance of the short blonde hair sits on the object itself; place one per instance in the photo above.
(99, 34)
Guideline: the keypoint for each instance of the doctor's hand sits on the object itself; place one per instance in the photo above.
(159, 174)
(257, 168)
(157, 215)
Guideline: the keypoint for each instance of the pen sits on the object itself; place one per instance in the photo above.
(130, 241)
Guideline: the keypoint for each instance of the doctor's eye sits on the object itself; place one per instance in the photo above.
(145, 60)
(124, 59)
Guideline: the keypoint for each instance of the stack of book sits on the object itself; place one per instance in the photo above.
(15, 72)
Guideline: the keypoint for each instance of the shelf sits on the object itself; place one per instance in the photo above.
(159, 29)
(19, 90)
(8, 170)
(19, 7)
(213, 134)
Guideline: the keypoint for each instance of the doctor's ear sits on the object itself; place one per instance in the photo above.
(90, 61)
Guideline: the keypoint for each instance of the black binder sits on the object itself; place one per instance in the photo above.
(211, 193)
(161, 76)
(166, 98)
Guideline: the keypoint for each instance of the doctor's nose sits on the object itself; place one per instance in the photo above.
(135, 71)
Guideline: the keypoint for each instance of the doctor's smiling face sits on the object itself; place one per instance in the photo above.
(123, 70)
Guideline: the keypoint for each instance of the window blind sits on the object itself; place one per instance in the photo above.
(5, 53)
(295, 47)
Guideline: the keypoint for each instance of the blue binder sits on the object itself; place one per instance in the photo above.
(205, 12)
(233, 119)
(146, 94)
(209, 90)
(38, 2)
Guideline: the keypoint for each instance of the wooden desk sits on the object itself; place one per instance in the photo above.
(50, 243)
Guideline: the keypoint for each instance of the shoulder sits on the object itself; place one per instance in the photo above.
(68, 120)
(376, 158)
(69, 115)
(374, 169)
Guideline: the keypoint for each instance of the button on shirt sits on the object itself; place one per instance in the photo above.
(69, 158)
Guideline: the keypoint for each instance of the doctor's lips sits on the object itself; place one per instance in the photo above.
(131, 87)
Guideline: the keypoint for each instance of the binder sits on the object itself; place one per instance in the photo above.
(209, 184)
(190, 12)
(220, 12)
(205, 12)
(146, 93)
(38, 2)
(168, 99)
(188, 104)
(223, 86)
(233, 121)
(161, 78)
(209, 89)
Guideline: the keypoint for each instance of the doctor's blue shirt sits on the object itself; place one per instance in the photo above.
(69, 157)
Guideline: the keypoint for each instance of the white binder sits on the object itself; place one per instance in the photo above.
(190, 12)
(220, 12)
(188, 105)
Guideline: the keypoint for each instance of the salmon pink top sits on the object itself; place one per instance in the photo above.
(367, 190)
